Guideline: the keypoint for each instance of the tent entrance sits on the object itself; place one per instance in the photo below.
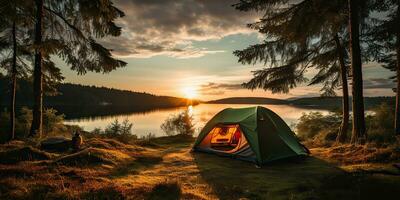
(227, 139)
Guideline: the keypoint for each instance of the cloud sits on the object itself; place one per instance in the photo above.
(379, 83)
(169, 27)
(212, 88)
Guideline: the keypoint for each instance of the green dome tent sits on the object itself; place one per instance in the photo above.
(255, 134)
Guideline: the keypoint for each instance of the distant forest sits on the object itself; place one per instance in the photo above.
(312, 102)
(91, 100)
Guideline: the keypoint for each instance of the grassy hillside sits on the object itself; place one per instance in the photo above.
(165, 168)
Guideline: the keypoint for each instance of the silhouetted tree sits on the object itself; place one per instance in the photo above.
(383, 42)
(301, 35)
(72, 27)
(36, 127)
(358, 132)
(14, 51)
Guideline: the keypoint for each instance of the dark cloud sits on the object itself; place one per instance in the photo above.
(168, 27)
(218, 88)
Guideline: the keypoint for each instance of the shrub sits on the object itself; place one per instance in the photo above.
(315, 123)
(149, 136)
(323, 128)
(380, 125)
(53, 124)
(24, 121)
(116, 130)
(180, 124)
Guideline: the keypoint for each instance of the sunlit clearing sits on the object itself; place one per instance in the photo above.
(190, 92)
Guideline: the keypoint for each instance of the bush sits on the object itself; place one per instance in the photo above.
(380, 125)
(321, 129)
(53, 124)
(116, 130)
(180, 124)
(315, 124)
(24, 121)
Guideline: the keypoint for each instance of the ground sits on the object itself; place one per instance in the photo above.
(165, 168)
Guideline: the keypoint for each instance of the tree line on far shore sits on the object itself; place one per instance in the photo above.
(80, 96)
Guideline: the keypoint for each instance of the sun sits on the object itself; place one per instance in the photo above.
(189, 92)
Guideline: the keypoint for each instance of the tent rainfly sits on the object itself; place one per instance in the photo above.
(254, 134)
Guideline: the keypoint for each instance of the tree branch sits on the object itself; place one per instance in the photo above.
(77, 31)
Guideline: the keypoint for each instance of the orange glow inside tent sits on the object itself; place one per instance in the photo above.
(227, 138)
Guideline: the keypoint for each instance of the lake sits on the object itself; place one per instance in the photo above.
(149, 122)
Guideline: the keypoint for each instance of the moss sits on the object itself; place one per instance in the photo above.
(23, 154)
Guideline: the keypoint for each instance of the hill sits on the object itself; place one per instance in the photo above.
(91, 100)
(336, 102)
(315, 102)
(248, 100)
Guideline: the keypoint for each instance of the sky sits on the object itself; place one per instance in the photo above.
(184, 48)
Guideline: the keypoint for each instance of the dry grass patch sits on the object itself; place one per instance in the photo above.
(356, 154)
(27, 153)
(93, 156)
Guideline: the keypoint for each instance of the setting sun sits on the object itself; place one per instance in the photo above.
(189, 92)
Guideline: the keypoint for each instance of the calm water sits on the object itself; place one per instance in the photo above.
(144, 123)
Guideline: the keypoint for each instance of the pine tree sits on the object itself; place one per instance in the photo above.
(300, 36)
(71, 27)
(14, 17)
(383, 42)
(358, 132)
(36, 127)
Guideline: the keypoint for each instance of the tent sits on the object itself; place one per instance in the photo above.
(255, 134)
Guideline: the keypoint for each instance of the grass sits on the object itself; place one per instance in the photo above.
(27, 153)
(165, 191)
(165, 168)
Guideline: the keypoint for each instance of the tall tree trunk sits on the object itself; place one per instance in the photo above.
(358, 132)
(342, 134)
(36, 127)
(397, 115)
(13, 83)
